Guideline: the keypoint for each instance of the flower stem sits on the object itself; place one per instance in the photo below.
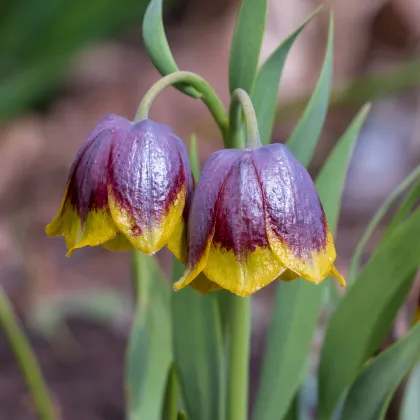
(238, 316)
(26, 359)
(241, 103)
(238, 330)
(209, 97)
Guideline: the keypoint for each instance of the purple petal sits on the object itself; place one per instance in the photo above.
(293, 209)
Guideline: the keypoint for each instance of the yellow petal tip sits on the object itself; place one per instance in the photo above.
(334, 272)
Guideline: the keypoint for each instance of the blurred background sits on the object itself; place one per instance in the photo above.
(65, 64)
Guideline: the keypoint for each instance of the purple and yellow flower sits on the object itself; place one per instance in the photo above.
(256, 217)
(129, 185)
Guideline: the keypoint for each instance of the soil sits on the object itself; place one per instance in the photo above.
(85, 376)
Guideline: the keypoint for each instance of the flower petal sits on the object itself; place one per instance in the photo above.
(201, 221)
(203, 285)
(296, 225)
(118, 243)
(240, 258)
(84, 217)
(148, 186)
(177, 243)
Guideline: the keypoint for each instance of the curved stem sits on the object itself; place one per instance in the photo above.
(242, 102)
(209, 97)
(26, 359)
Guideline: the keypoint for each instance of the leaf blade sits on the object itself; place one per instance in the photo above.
(246, 44)
(366, 313)
(157, 46)
(305, 136)
(265, 90)
(380, 378)
(149, 354)
(197, 346)
(290, 334)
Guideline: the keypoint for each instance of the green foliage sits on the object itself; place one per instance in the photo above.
(297, 304)
(246, 44)
(157, 45)
(197, 347)
(369, 396)
(149, 354)
(37, 40)
(265, 90)
(304, 138)
(366, 313)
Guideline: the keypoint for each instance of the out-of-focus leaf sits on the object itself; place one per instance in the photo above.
(401, 189)
(265, 90)
(305, 136)
(369, 396)
(197, 346)
(366, 313)
(411, 402)
(194, 161)
(298, 303)
(404, 210)
(149, 355)
(246, 44)
(171, 396)
(157, 45)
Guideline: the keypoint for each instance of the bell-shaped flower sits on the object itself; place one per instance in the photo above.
(256, 217)
(130, 183)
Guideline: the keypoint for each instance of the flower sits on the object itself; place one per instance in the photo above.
(255, 217)
(129, 185)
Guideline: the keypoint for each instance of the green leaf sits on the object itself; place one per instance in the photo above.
(402, 188)
(366, 313)
(265, 90)
(369, 396)
(246, 44)
(297, 304)
(305, 136)
(197, 346)
(149, 355)
(157, 46)
(170, 411)
(404, 210)
(194, 160)
(411, 402)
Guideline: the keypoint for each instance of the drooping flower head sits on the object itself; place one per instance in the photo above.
(255, 217)
(130, 184)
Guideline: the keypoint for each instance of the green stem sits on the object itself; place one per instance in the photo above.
(238, 316)
(209, 97)
(241, 103)
(26, 359)
(238, 330)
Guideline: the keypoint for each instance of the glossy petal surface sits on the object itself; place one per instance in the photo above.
(238, 255)
(147, 185)
(84, 218)
(295, 221)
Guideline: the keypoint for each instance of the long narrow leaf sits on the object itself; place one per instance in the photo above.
(149, 355)
(402, 188)
(265, 90)
(305, 136)
(366, 313)
(246, 44)
(297, 304)
(380, 378)
(157, 45)
(411, 403)
(197, 346)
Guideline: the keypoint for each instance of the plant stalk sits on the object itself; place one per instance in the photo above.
(209, 97)
(26, 359)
